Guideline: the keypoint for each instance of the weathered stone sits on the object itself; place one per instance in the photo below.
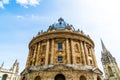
(62, 53)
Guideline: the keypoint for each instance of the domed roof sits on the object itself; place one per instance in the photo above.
(61, 23)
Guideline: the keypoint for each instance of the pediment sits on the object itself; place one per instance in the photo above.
(97, 70)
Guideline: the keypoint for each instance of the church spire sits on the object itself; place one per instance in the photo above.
(109, 64)
(103, 46)
(15, 66)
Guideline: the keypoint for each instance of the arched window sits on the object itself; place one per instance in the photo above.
(83, 78)
(98, 78)
(110, 71)
(4, 77)
(59, 77)
(37, 78)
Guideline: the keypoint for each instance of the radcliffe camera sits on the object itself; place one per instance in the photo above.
(59, 40)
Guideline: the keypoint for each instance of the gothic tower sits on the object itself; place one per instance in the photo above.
(110, 66)
(61, 53)
(9, 74)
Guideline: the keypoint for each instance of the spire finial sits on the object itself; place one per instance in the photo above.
(15, 62)
(2, 64)
(103, 46)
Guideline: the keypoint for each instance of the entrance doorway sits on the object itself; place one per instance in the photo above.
(59, 77)
(82, 78)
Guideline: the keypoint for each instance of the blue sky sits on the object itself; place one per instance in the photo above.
(20, 20)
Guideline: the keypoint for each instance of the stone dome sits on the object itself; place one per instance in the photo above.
(61, 24)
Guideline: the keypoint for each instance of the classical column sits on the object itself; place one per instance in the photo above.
(28, 58)
(82, 52)
(93, 56)
(52, 51)
(38, 54)
(34, 56)
(68, 51)
(47, 53)
(86, 54)
(73, 52)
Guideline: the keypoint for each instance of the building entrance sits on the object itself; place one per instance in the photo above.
(59, 77)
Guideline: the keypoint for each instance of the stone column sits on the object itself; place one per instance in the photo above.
(52, 51)
(73, 52)
(34, 56)
(38, 54)
(68, 51)
(86, 54)
(47, 53)
(28, 58)
(93, 57)
(82, 52)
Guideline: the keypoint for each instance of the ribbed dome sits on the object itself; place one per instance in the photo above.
(61, 24)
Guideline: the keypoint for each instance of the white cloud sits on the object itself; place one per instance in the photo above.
(3, 2)
(20, 17)
(24, 3)
(101, 18)
(34, 2)
(33, 16)
(1, 5)
(27, 3)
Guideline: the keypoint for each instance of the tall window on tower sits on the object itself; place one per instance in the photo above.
(59, 46)
(110, 71)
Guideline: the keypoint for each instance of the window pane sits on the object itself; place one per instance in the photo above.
(60, 58)
(59, 46)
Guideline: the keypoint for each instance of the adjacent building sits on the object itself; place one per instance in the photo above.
(10, 74)
(109, 63)
(61, 53)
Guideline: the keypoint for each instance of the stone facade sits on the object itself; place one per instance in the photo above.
(111, 69)
(10, 74)
(61, 53)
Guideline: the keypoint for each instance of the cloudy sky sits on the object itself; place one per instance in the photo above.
(20, 20)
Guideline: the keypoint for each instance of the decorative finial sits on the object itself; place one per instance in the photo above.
(2, 64)
(15, 61)
(60, 20)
